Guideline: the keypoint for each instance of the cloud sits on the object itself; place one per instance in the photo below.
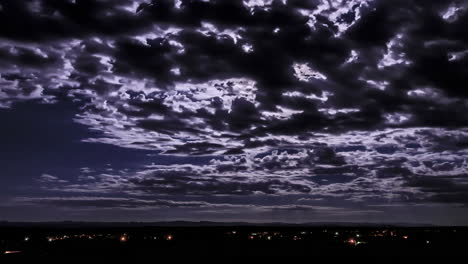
(443, 189)
(96, 203)
(389, 169)
(362, 100)
(47, 178)
(87, 202)
(164, 80)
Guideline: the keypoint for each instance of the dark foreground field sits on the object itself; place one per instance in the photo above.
(68, 241)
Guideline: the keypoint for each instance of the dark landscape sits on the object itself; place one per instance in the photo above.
(177, 239)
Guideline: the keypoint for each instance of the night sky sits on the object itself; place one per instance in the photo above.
(255, 110)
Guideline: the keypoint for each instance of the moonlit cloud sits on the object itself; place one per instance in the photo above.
(333, 105)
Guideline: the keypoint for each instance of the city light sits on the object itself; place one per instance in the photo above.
(353, 239)
(12, 252)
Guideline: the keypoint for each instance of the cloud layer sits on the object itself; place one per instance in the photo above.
(362, 101)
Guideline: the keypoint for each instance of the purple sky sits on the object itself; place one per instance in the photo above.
(254, 110)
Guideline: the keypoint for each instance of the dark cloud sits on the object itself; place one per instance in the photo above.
(206, 40)
(106, 202)
(315, 171)
(443, 189)
(361, 100)
(43, 20)
(183, 182)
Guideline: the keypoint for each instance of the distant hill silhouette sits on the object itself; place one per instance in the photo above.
(206, 223)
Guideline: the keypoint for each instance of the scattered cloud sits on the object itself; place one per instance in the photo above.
(357, 100)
